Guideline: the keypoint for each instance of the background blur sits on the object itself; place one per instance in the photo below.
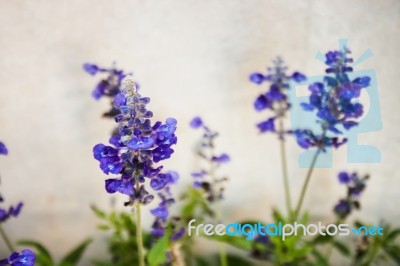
(191, 58)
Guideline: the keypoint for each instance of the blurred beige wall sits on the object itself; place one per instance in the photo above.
(190, 57)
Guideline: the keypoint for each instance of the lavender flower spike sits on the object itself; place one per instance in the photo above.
(136, 147)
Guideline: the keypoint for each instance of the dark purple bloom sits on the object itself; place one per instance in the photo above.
(3, 149)
(110, 86)
(355, 185)
(161, 153)
(262, 103)
(257, 78)
(119, 185)
(363, 81)
(199, 174)
(335, 101)
(137, 145)
(275, 99)
(140, 143)
(344, 177)
(268, 125)
(160, 181)
(160, 212)
(158, 230)
(223, 158)
(14, 211)
(25, 258)
(11, 212)
(305, 138)
(343, 208)
(196, 122)
(178, 234)
(91, 68)
(207, 181)
(298, 77)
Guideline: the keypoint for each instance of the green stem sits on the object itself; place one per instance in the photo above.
(222, 255)
(285, 169)
(6, 239)
(330, 248)
(139, 237)
(222, 250)
(305, 185)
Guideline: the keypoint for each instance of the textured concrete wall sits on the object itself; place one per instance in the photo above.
(191, 57)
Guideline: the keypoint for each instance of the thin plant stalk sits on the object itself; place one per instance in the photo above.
(306, 182)
(284, 167)
(222, 250)
(6, 239)
(139, 237)
(309, 174)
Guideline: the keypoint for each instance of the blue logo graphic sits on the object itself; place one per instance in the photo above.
(370, 122)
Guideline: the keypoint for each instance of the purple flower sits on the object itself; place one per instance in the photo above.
(223, 158)
(207, 181)
(119, 185)
(268, 125)
(25, 258)
(344, 178)
(257, 78)
(136, 146)
(343, 208)
(3, 149)
(262, 102)
(11, 212)
(160, 212)
(196, 122)
(275, 99)
(178, 234)
(92, 69)
(140, 143)
(160, 181)
(109, 86)
(298, 77)
(335, 101)
(355, 185)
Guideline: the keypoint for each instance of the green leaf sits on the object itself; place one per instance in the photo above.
(394, 253)
(103, 227)
(236, 241)
(235, 260)
(43, 256)
(320, 239)
(320, 259)
(73, 257)
(278, 217)
(393, 234)
(342, 248)
(99, 213)
(157, 254)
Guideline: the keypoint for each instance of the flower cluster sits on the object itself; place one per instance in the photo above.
(275, 99)
(108, 86)
(3, 149)
(205, 178)
(334, 100)
(25, 258)
(13, 211)
(136, 147)
(262, 247)
(162, 213)
(355, 186)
